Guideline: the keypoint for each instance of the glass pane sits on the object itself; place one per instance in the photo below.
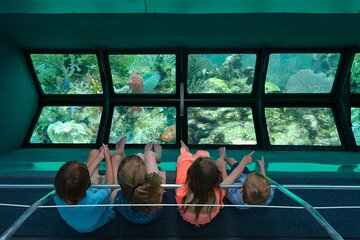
(221, 125)
(220, 73)
(355, 75)
(142, 124)
(67, 124)
(355, 121)
(301, 73)
(67, 73)
(145, 73)
(302, 126)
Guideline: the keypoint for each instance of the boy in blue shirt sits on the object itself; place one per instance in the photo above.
(253, 187)
(72, 184)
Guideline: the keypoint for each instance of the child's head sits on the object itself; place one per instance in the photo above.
(138, 186)
(256, 189)
(202, 177)
(72, 181)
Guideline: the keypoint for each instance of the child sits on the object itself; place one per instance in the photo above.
(253, 187)
(201, 178)
(140, 181)
(72, 184)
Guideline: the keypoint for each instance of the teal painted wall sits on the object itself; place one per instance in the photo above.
(18, 97)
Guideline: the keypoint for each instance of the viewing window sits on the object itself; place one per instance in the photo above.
(143, 73)
(355, 75)
(221, 125)
(144, 124)
(67, 124)
(301, 72)
(67, 73)
(220, 73)
(355, 121)
(301, 126)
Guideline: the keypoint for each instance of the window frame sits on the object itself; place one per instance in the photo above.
(340, 100)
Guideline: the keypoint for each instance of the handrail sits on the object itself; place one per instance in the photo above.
(15, 226)
(170, 186)
(318, 217)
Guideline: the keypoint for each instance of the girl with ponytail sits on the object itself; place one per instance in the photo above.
(140, 183)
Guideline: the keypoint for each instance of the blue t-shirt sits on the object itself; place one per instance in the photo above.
(235, 196)
(87, 219)
(135, 214)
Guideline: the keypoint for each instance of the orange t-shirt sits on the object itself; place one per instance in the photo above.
(183, 163)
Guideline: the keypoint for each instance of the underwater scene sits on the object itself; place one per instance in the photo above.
(355, 121)
(301, 126)
(221, 125)
(220, 73)
(143, 73)
(355, 75)
(67, 124)
(67, 73)
(301, 73)
(144, 124)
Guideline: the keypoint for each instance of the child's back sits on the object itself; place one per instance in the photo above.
(140, 181)
(72, 184)
(201, 178)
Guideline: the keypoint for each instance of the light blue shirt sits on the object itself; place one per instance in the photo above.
(87, 219)
(235, 196)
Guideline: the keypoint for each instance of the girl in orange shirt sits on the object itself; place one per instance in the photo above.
(201, 178)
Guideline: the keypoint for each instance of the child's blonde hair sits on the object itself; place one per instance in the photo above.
(256, 189)
(138, 186)
(202, 177)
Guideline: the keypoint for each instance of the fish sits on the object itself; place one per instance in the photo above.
(151, 80)
(65, 83)
(169, 134)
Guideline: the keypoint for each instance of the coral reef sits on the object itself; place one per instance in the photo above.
(302, 126)
(69, 132)
(149, 124)
(306, 81)
(67, 73)
(227, 125)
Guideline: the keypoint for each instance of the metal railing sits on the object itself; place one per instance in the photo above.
(283, 188)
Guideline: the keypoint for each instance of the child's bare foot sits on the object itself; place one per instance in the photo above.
(222, 153)
(148, 147)
(158, 152)
(184, 145)
(120, 147)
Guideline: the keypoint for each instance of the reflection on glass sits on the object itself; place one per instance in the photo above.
(355, 75)
(220, 73)
(67, 73)
(144, 73)
(142, 124)
(302, 126)
(301, 73)
(67, 124)
(220, 125)
(355, 121)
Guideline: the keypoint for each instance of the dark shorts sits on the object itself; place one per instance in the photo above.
(246, 170)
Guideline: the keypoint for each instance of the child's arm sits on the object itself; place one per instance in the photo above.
(222, 167)
(262, 166)
(109, 175)
(95, 163)
(236, 173)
